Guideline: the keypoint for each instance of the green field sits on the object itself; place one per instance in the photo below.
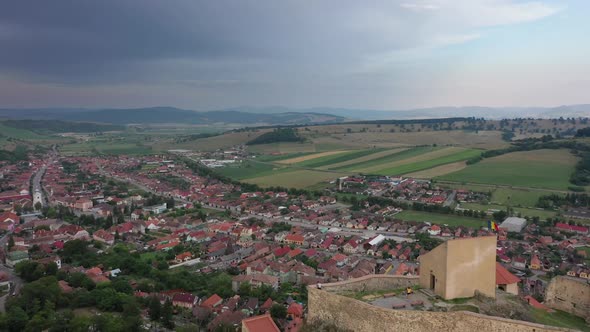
(280, 157)
(398, 156)
(437, 218)
(337, 158)
(274, 170)
(248, 169)
(503, 196)
(549, 169)
(22, 133)
(292, 178)
(426, 164)
(93, 147)
(542, 214)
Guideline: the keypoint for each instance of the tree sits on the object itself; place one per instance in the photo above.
(278, 311)
(132, 315)
(170, 203)
(17, 319)
(51, 269)
(122, 286)
(167, 311)
(154, 308)
(10, 242)
(245, 289)
(38, 206)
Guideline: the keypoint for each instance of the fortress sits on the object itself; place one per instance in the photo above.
(350, 314)
(461, 268)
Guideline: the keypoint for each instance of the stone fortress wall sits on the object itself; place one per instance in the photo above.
(348, 313)
(570, 295)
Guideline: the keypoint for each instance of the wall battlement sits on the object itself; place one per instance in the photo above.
(370, 283)
(347, 313)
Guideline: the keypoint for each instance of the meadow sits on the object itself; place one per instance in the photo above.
(248, 169)
(318, 168)
(443, 219)
(365, 165)
(430, 163)
(524, 212)
(22, 133)
(105, 147)
(548, 169)
(294, 178)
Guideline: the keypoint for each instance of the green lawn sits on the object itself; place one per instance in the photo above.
(549, 169)
(437, 218)
(561, 319)
(426, 164)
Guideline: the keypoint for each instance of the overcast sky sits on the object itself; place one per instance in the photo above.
(355, 54)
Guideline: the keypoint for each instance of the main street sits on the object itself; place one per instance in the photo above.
(15, 282)
(38, 194)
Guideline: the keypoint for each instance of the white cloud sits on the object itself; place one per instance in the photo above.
(443, 40)
(483, 13)
(419, 6)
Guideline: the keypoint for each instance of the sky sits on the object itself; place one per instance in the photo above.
(207, 55)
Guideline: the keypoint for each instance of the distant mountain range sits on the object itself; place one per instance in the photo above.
(170, 115)
(582, 110)
(282, 115)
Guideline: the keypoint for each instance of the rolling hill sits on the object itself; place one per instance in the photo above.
(159, 115)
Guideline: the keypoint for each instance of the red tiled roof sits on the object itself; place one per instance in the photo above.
(295, 309)
(267, 304)
(295, 252)
(262, 323)
(570, 228)
(211, 301)
(536, 304)
(504, 277)
(294, 238)
(279, 252)
(183, 297)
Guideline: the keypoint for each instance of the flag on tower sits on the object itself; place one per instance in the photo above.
(492, 225)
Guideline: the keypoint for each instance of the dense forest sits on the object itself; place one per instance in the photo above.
(277, 135)
(584, 132)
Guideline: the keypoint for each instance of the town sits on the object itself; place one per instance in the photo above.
(193, 247)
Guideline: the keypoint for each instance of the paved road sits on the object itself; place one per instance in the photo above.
(450, 199)
(38, 188)
(16, 281)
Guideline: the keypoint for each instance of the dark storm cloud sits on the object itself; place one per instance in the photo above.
(214, 53)
(116, 38)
